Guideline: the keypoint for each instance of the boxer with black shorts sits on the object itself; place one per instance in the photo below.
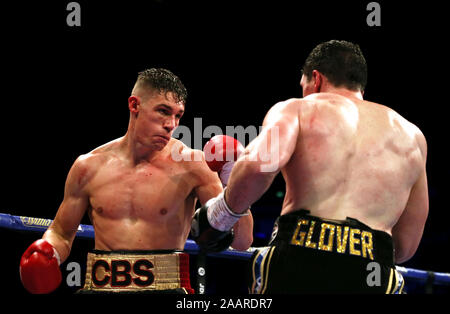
(358, 167)
(328, 250)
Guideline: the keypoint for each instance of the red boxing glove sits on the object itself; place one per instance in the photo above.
(221, 151)
(39, 268)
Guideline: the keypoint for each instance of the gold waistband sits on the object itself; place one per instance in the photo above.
(110, 271)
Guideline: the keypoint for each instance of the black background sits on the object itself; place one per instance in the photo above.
(65, 89)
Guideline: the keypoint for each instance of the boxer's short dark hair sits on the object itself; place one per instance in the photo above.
(342, 62)
(164, 81)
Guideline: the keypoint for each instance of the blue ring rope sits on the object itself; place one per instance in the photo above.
(22, 223)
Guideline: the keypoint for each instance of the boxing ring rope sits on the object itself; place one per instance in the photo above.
(27, 224)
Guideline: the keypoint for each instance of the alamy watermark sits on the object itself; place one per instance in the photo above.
(73, 278)
(374, 277)
(374, 17)
(74, 16)
(265, 150)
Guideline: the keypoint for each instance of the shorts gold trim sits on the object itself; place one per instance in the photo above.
(396, 282)
(260, 269)
(136, 271)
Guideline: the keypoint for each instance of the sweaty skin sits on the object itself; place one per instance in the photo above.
(341, 156)
(137, 196)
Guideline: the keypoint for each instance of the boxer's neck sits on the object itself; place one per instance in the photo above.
(343, 92)
(136, 152)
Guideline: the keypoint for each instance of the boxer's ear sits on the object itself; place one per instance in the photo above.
(133, 104)
(317, 78)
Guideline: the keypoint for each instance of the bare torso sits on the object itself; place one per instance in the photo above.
(147, 206)
(140, 190)
(353, 158)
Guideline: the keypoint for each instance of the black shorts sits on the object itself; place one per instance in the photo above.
(309, 254)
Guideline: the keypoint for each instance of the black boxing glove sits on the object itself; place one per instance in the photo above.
(212, 224)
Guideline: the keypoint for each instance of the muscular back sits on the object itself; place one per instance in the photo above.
(353, 159)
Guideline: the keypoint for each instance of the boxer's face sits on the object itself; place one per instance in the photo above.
(157, 117)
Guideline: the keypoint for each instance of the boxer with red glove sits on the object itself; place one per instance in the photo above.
(212, 224)
(221, 152)
(135, 171)
(39, 268)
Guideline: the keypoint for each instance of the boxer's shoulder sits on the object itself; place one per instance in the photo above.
(288, 105)
(314, 104)
(83, 169)
(282, 110)
(87, 165)
(402, 127)
(400, 121)
(109, 147)
(95, 157)
(180, 152)
(193, 160)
